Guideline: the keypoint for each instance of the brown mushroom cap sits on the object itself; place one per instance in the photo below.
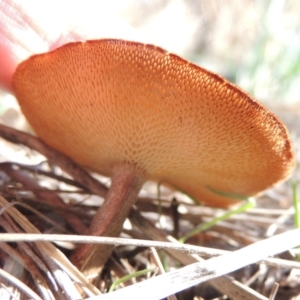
(109, 102)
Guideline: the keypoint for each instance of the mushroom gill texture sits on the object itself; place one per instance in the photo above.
(109, 102)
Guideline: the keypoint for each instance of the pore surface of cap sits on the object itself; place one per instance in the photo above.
(111, 102)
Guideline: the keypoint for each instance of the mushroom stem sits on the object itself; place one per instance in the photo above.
(127, 181)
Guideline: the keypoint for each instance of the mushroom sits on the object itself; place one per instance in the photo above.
(135, 112)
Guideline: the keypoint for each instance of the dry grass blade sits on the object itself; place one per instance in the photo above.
(23, 287)
(157, 261)
(172, 245)
(184, 248)
(50, 254)
(274, 291)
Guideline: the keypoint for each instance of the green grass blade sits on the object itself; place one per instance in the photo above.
(249, 204)
(128, 277)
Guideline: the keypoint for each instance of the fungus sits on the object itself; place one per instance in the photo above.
(135, 112)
